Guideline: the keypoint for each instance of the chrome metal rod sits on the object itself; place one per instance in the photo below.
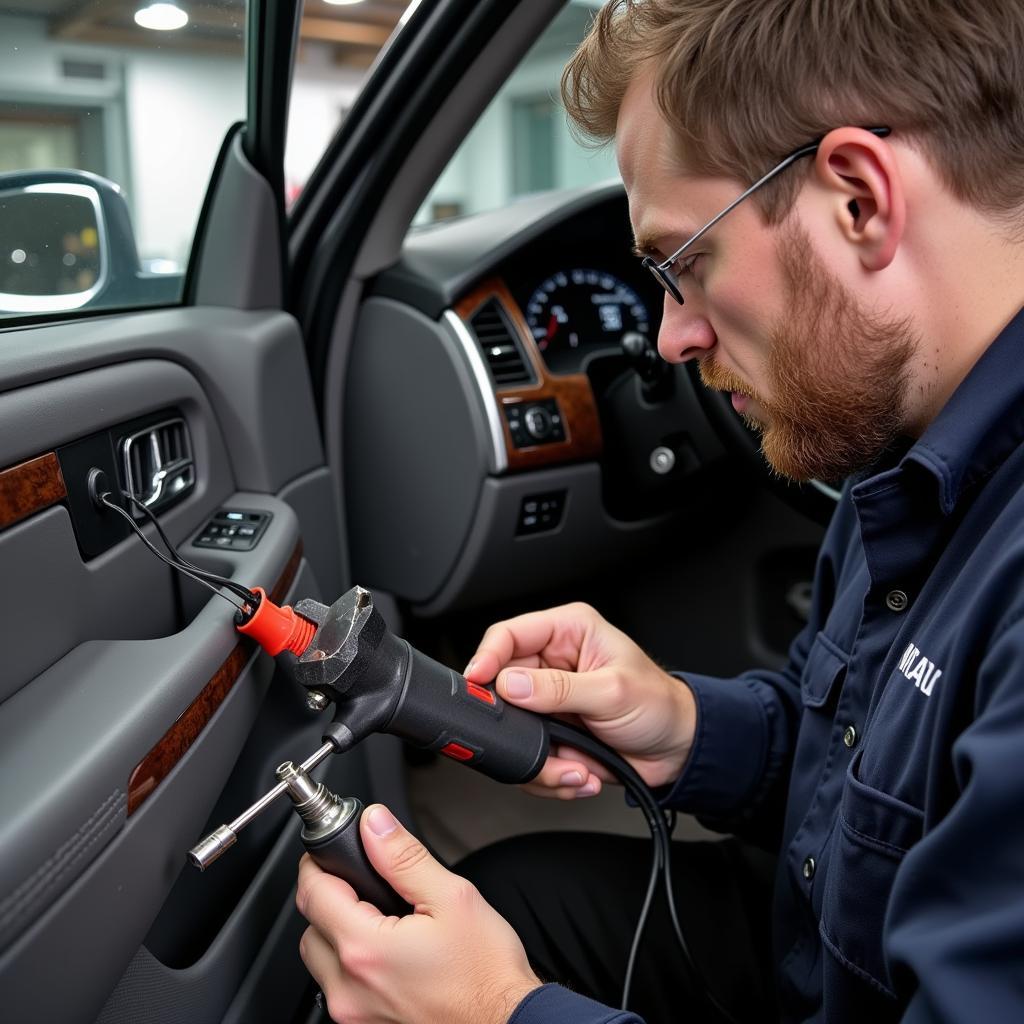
(307, 766)
(205, 852)
(318, 756)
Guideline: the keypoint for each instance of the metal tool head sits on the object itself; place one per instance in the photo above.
(203, 854)
(218, 842)
(343, 647)
(322, 811)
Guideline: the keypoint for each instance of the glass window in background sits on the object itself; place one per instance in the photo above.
(112, 113)
(522, 143)
(338, 42)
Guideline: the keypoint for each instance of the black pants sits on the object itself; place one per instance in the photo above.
(574, 898)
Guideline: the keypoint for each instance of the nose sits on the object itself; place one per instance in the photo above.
(685, 334)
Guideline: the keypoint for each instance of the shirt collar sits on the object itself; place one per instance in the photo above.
(981, 424)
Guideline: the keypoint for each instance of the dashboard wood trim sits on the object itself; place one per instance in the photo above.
(573, 392)
(30, 487)
(175, 743)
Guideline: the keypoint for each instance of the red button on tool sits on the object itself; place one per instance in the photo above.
(458, 751)
(481, 693)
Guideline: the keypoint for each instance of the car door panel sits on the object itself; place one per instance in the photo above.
(133, 718)
(111, 676)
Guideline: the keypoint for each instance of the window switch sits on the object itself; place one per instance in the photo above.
(234, 529)
(539, 513)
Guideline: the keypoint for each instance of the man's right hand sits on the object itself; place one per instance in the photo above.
(570, 662)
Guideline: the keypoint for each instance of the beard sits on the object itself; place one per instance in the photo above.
(838, 373)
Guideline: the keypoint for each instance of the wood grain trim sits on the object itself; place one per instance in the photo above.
(573, 392)
(160, 761)
(30, 487)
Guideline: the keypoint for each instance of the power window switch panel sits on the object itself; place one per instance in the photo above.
(235, 529)
(539, 513)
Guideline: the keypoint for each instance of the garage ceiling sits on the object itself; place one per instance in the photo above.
(355, 31)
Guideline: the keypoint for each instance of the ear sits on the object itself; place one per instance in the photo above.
(860, 171)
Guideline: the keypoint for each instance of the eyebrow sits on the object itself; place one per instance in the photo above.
(643, 245)
(642, 248)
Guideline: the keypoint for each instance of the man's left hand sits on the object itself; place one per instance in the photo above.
(455, 959)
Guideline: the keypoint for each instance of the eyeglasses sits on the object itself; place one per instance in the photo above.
(661, 270)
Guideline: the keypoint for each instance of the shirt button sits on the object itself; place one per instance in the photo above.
(809, 868)
(850, 735)
(896, 600)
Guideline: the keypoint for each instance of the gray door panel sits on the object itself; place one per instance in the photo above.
(59, 600)
(237, 261)
(105, 657)
(251, 366)
(69, 743)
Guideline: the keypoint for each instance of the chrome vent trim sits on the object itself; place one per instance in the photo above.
(158, 464)
(485, 389)
(501, 350)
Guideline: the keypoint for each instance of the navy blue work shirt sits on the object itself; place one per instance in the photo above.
(886, 761)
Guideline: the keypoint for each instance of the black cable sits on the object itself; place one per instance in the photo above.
(561, 732)
(238, 588)
(638, 932)
(105, 499)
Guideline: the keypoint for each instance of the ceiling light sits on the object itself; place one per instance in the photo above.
(342, 3)
(162, 17)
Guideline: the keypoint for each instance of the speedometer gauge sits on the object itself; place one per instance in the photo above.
(578, 311)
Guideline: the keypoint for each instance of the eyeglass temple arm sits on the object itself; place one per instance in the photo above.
(803, 151)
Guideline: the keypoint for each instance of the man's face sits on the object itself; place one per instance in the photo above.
(837, 375)
(821, 378)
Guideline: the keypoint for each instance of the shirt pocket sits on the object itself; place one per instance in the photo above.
(874, 833)
(824, 669)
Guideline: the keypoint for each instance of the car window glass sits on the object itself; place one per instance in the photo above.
(111, 118)
(522, 143)
(338, 42)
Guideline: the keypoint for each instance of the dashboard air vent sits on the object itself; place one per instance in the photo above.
(501, 351)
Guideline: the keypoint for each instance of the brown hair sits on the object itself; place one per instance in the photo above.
(744, 82)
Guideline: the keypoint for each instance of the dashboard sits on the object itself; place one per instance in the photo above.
(550, 289)
(493, 372)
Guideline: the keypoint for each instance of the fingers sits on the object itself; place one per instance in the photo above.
(591, 787)
(321, 960)
(503, 642)
(563, 779)
(524, 637)
(329, 903)
(567, 775)
(404, 862)
(597, 694)
(322, 899)
(589, 763)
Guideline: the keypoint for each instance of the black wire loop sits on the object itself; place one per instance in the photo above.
(242, 591)
(198, 575)
(562, 732)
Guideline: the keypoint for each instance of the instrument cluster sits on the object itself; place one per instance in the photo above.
(581, 311)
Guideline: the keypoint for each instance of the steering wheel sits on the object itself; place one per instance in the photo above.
(816, 499)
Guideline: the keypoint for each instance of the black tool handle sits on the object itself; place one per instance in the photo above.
(342, 854)
(440, 710)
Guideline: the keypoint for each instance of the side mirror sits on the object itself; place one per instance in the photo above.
(66, 243)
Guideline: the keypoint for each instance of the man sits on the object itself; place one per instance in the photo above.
(861, 306)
